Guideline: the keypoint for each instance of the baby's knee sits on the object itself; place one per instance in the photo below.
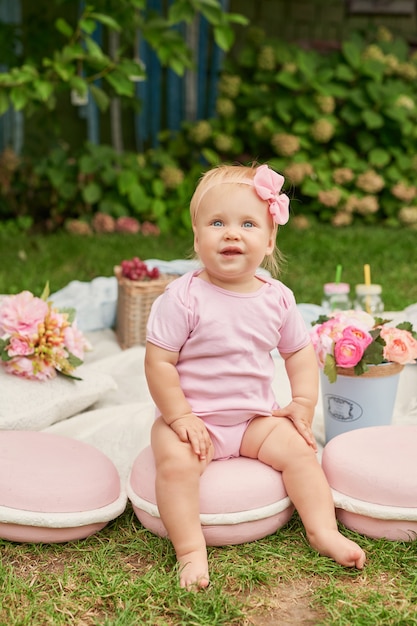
(177, 465)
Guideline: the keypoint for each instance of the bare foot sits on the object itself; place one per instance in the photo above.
(194, 570)
(341, 549)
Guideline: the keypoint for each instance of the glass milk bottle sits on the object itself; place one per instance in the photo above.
(368, 298)
(335, 297)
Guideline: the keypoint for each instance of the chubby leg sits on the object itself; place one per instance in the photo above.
(178, 471)
(276, 442)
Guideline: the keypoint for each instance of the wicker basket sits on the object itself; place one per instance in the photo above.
(134, 301)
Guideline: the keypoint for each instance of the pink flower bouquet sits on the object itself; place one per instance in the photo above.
(38, 340)
(355, 339)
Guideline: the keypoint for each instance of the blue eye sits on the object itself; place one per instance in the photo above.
(248, 224)
(217, 223)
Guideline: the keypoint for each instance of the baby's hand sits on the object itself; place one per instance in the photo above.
(191, 429)
(301, 417)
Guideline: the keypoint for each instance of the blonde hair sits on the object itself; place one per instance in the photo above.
(233, 174)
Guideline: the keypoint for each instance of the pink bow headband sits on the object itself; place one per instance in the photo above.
(267, 185)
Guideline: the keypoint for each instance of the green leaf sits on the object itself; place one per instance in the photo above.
(91, 193)
(63, 27)
(237, 18)
(138, 198)
(374, 353)
(352, 54)
(360, 368)
(378, 157)
(158, 207)
(344, 72)
(65, 72)
(374, 69)
(4, 102)
(19, 98)
(311, 188)
(158, 187)
(94, 49)
(71, 313)
(4, 344)
(120, 83)
(409, 327)
(301, 127)
(284, 108)
(288, 79)
(74, 51)
(126, 181)
(46, 291)
(180, 12)
(372, 119)
(224, 37)
(79, 84)
(100, 97)
(87, 25)
(366, 141)
(74, 361)
(330, 368)
(107, 21)
(43, 89)
(351, 115)
(307, 106)
(177, 66)
(211, 156)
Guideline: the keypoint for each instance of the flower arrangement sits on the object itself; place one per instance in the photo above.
(355, 339)
(37, 341)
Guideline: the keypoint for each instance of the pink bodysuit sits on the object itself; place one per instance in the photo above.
(224, 340)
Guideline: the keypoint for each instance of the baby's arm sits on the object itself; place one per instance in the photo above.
(302, 370)
(164, 386)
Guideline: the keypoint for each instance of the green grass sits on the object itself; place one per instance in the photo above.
(125, 576)
(311, 259)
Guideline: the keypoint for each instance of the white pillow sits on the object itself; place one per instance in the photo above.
(34, 405)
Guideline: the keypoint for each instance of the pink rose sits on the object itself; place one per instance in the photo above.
(401, 347)
(349, 350)
(22, 314)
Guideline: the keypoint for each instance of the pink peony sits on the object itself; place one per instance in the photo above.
(22, 314)
(32, 370)
(401, 347)
(37, 340)
(75, 341)
(322, 342)
(19, 346)
(349, 350)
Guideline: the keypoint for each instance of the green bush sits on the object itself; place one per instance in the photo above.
(341, 126)
(62, 187)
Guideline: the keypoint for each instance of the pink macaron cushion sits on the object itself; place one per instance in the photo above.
(241, 499)
(373, 476)
(54, 488)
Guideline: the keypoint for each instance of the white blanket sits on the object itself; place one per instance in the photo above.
(119, 424)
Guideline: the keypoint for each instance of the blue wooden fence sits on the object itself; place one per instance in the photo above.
(166, 98)
(11, 122)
